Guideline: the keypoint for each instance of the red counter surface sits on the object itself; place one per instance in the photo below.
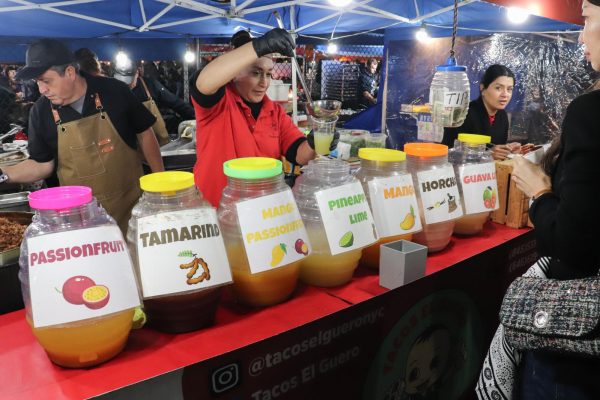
(26, 372)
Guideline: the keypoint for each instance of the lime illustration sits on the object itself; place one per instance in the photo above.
(347, 240)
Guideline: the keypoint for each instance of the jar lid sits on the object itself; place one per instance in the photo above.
(474, 139)
(60, 198)
(451, 66)
(252, 168)
(168, 181)
(380, 154)
(426, 149)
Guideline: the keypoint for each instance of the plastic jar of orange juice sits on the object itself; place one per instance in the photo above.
(391, 195)
(476, 173)
(336, 212)
(178, 251)
(438, 196)
(77, 278)
(263, 232)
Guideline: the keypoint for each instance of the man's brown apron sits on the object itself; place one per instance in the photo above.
(160, 130)
(92, 153)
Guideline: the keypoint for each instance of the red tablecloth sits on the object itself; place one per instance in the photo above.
(26, 372)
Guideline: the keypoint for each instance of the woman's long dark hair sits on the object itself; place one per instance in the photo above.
(494, 72)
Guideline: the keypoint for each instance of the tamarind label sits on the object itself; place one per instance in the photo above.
(180, 251)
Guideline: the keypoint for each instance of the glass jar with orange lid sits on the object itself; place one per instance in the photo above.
(77, 278)
(178, 251)
(438, 196)
(336, 213)
(264, 234)
(391, 195)
(476, 173)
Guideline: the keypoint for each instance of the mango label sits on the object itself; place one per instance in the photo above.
(180, 251)
(439, 195)
(347, 218)
(394, 205)
(479, 187)
(79, 275)
(272, 231)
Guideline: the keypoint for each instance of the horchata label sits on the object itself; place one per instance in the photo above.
(77, 275)
(439, 195)
(346, 217)
(479, 187)
(181, 251)
(272, 231)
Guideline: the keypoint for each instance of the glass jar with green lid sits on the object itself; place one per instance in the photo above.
(264, 234)
(177, 248)
(391, 194)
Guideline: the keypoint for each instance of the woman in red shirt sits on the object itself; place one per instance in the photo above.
(235, 118)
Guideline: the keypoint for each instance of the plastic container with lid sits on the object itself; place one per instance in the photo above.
(336, 213)
(356, 138)
(391, 195)
(476, 173)
(77, 278)
(438, 196)
(178, 251)
(449, 94)
(264, 234)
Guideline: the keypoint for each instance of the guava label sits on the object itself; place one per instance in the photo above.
(272, 231)
(347, 218)
(181, 251)
(479, 187)
(80, 274)
(439, 195)
(395, 207)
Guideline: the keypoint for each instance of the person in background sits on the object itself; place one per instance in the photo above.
(368, 83)
(486, 114)
(154, 95)
(234, 116)
(88, 61)
(101, 124)
(563, 190)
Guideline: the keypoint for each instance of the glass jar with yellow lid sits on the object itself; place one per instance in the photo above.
(391, 194)
(476, 173)
(438, 196)
(178, 250)
(264, 234)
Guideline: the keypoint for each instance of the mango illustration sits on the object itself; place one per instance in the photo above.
(277, 254)
(347, 240)
(409, 220)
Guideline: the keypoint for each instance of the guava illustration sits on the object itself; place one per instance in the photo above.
(301, 247)
(489, 197)
(96, 297)
(74, 287)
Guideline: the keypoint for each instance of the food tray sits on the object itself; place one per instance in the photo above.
(11, 256)
(15, 200)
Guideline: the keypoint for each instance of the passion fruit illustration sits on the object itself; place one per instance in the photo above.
(96, 297)
(301, 247)
(74, 287)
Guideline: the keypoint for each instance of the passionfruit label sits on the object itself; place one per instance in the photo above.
(394, 205)
(479, 187)
(79, 275)
(347, 218)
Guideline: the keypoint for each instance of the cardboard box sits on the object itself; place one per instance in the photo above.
(513, 203)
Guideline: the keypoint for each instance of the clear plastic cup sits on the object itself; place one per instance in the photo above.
(323, 131)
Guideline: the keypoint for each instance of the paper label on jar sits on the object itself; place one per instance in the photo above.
(479, 187)
(272, 231)
(439, 195)
(181, 251)
(456, 98)
(395, 207)
(347, 218)
(80, 274)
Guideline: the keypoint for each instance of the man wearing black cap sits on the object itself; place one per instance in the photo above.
(87, 129)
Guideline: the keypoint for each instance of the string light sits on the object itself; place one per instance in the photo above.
(332, 48)
(517, 15)
(189, 57)
(340, 3)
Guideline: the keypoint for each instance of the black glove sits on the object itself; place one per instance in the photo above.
(275, 41)
(334, 142)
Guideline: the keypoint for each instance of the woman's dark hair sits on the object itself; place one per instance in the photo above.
(240, 38)
(87, 60)
(595, 2)
(494, 72)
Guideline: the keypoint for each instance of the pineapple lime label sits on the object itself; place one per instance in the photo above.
(395, 208)
(439, 194)
(78, 275)
(180, 251)
(479, 187)
(346, 217)
(272, 231)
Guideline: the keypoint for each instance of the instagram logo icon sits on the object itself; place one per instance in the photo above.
(225, 378)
